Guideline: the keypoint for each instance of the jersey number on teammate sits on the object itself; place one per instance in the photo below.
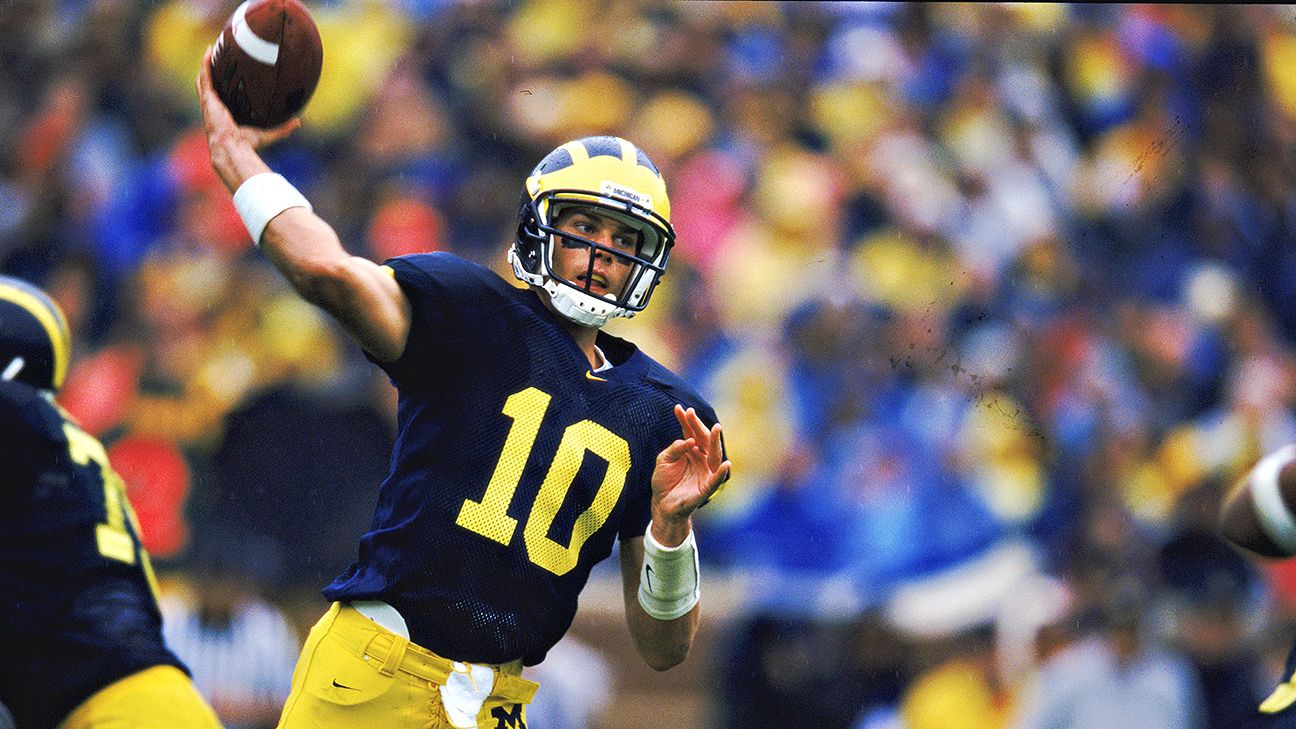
(489, 517)
(114, 540)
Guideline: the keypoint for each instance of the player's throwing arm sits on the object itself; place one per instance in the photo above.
(529, 441)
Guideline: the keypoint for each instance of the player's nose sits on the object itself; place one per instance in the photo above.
(601, 254)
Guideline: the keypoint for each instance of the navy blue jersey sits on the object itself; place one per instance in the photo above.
(77, 607)
(515, 467)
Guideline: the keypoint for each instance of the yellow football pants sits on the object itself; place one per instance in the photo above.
(161, 697)
(354, 673)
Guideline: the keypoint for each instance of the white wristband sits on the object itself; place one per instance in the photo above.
(263, 196)
(669, 581)
(1266, 495)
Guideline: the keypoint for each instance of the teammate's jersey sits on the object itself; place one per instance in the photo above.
(515, 467)
(77, 607)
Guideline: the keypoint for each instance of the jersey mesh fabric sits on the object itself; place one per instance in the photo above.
(72, 621)
(514, 468)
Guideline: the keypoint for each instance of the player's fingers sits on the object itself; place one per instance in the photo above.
(675, 451)
(714, 452)
(703, 432)
(203, 81)
(204, 73)
(213, 110)
(682, 418)
(696, 428)
(271, 136)
(718, 478)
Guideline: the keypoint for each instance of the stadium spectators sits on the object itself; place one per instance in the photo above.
(955, 274)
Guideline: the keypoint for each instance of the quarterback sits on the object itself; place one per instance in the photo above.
(529, 441)
(79, 621)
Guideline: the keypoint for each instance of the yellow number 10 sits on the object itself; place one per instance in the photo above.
(489, 517)
(114, 541)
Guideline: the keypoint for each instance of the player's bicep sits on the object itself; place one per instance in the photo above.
(363, 296)
(359, 293)
(381, 316)
(366, 300)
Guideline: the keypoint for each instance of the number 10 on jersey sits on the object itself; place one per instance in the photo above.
(489, 517)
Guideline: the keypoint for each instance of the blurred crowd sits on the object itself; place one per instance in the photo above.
(994, 301)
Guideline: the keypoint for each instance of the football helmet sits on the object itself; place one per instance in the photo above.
(35, 344)
(617, 178)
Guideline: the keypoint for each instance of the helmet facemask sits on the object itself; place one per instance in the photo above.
(613, 179)
(539, 239)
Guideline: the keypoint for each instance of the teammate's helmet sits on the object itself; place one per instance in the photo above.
(35, 344)
(616, 177)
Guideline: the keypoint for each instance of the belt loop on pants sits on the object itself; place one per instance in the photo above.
(394, 656)
(394, 653)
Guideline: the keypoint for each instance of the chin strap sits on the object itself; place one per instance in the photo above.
(566, 304)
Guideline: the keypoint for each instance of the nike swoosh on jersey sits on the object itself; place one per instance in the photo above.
(348, 688)
(594, 377)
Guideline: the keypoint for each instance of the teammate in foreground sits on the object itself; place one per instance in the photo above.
(528, 441)
(79, 621)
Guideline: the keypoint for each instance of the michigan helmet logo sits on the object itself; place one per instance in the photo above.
(35, 344)
(617, 178)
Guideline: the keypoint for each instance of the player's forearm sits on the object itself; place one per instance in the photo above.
(306, 250)
(308, 253)
(299, 243)
(234, 158)
(662, 644)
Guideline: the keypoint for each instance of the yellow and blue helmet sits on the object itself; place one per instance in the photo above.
(35, 344)
(615, 176)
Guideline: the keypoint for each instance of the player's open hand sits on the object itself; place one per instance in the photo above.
(687, 473)
(225, 138)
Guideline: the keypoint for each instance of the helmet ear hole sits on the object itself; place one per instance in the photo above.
(530, 239)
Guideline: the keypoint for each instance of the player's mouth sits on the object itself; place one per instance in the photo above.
(594, 282)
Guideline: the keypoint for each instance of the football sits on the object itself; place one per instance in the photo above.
(1257, 514)
(266, 62)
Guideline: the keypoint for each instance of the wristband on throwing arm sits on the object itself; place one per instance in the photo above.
(263, 196)
(669, 581)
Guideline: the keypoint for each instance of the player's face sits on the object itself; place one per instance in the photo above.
(572, 258)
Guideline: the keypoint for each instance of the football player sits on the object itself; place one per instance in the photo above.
(79, 620)
(529, 440)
